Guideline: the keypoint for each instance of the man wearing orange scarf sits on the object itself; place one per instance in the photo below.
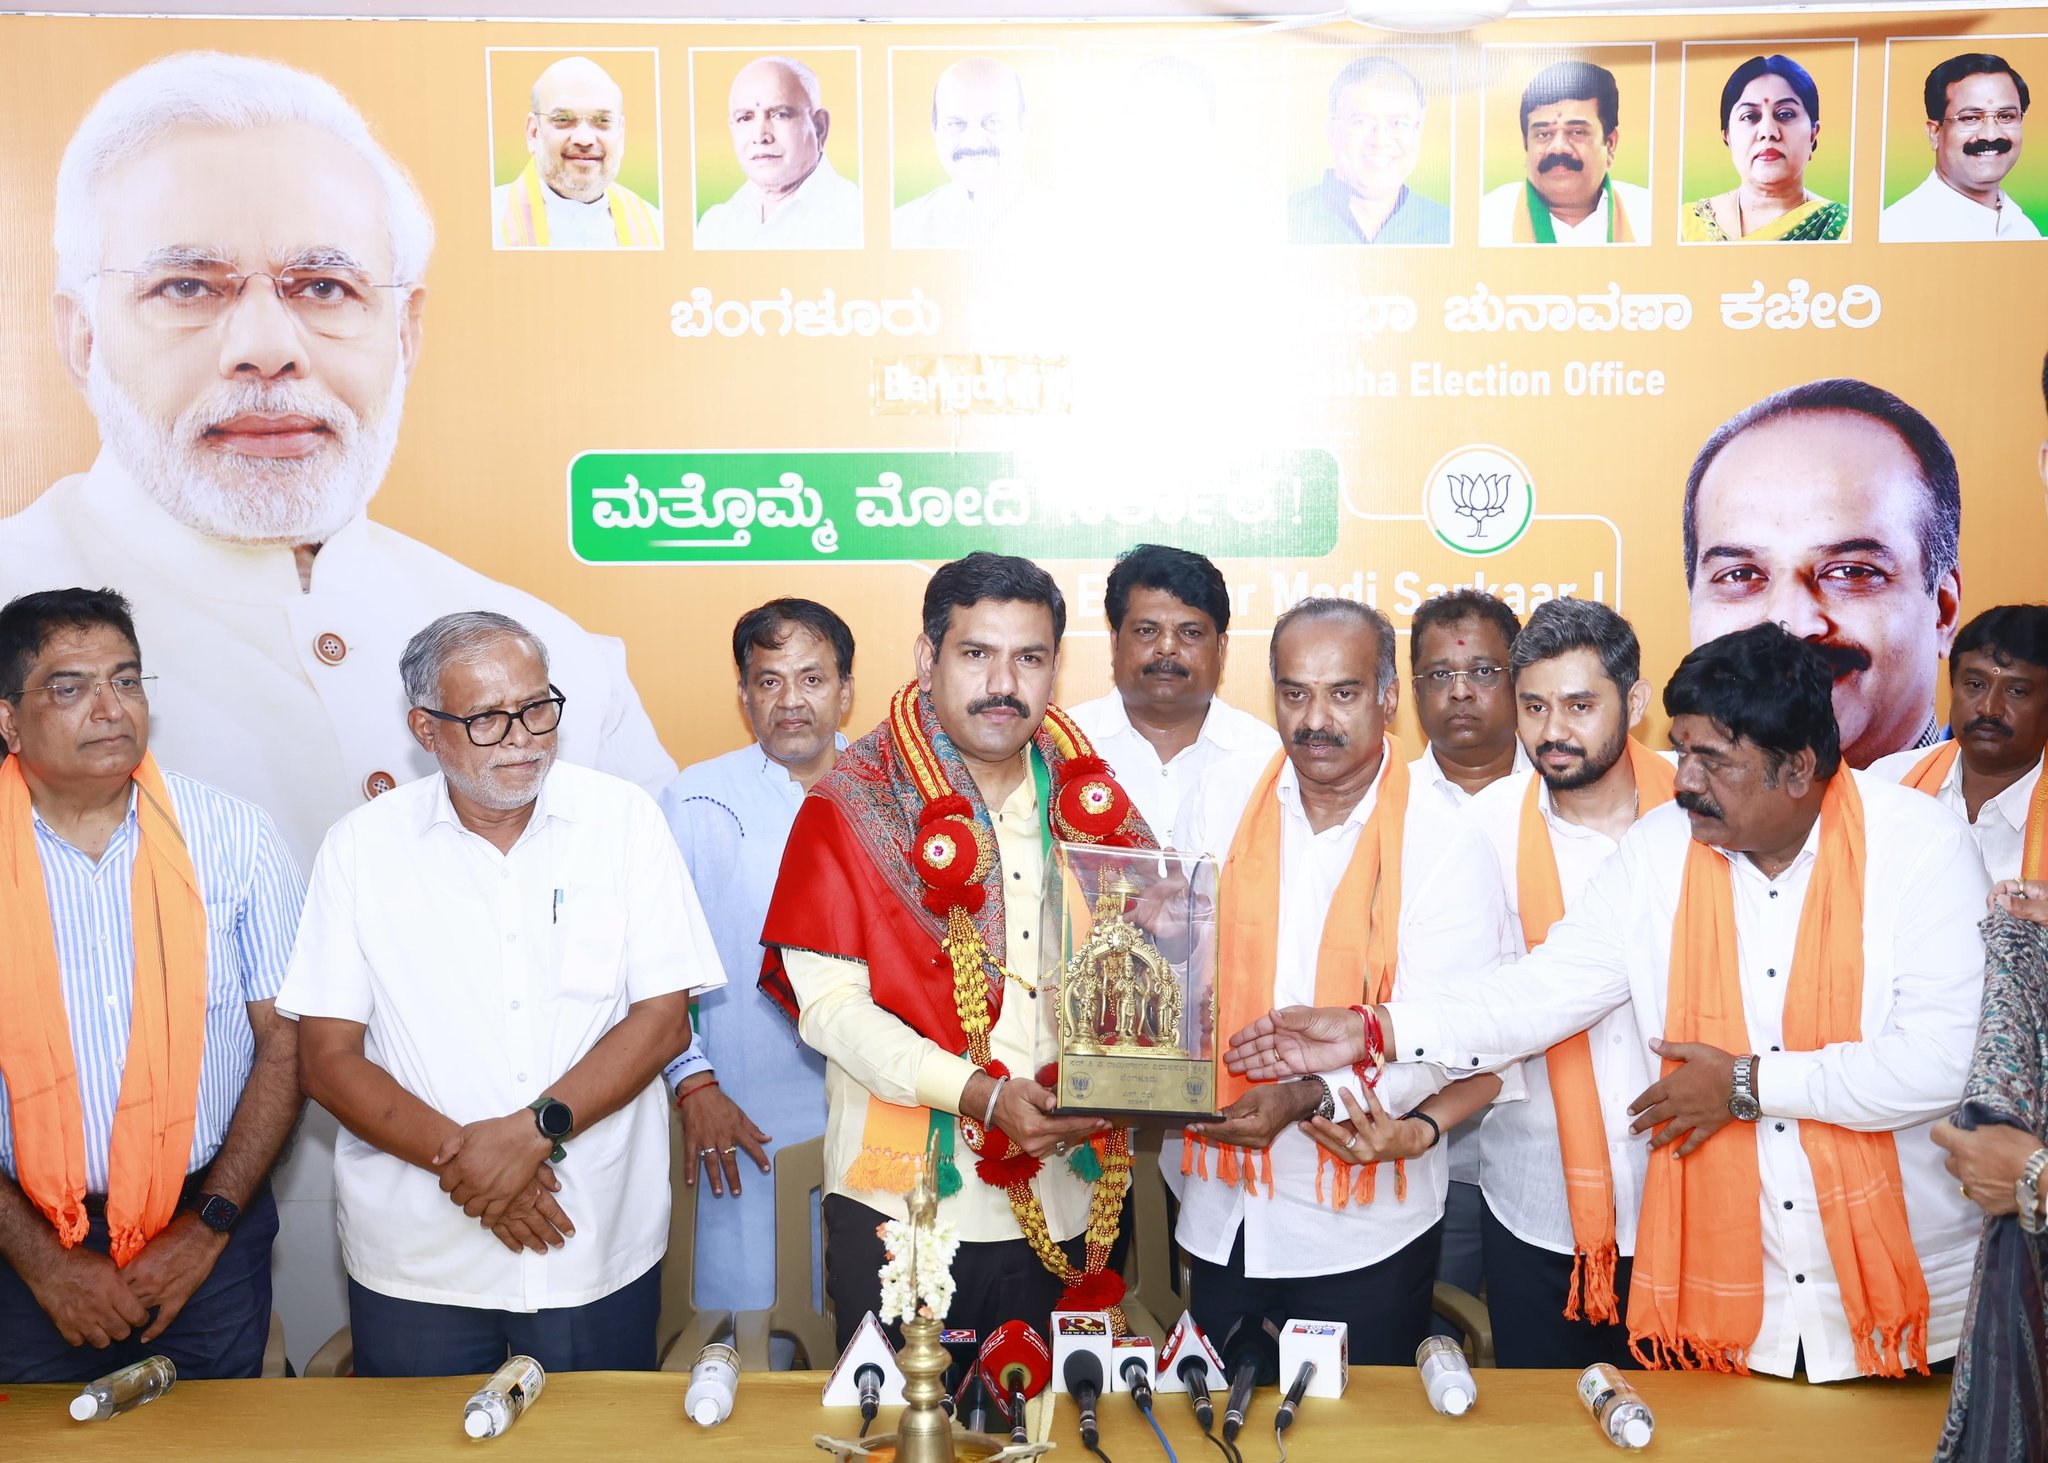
(1990, 774)
(1803, 940)
(1561, 1173)
(1336, 887)
(146, 1081)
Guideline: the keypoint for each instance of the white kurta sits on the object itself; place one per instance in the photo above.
(1161, 788)
(1451, 930)
(1935, 213)
(1497, 216)
(2001, 825)
(482, 977)
(1924, 890)
(573, 224)
(823, 213)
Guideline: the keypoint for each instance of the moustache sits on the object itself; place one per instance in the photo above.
(1697, 802)
(1166, 668)
(1983, 145)
(997, 703)
(1555, 160)
(962, 153)
(1843, 660)
(1317, 737)
(1987, 724)
(1568, 748)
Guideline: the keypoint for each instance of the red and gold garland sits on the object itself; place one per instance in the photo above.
(952, 855)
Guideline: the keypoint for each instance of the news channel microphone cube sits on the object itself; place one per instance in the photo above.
(1186, 1339)
(1327, 1344)
(870, 1344)
(1122, 1349)
(1074, 1331)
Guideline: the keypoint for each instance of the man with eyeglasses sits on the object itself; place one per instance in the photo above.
(1458, 647)
(569, 195)
(1571, 126)
(1976, 110)
(494, 965)
(1377, 109)
(146, 1079)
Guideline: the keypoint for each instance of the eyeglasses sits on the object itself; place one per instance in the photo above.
(66, 694)
(1974, 120)
(488, 728)
(334, 302)
(1439, 683)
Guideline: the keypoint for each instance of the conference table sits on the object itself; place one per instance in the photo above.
(1521, 1416)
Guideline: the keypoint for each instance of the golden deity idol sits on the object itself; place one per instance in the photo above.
(1118, 993)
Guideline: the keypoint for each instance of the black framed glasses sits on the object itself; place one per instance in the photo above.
(488, 728)
(1479, 678)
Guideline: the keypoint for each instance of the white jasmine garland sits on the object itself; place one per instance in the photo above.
(935, 1248)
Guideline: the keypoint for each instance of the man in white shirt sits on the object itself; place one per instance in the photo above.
(1734, 922)
(753, 1086)
(979, 128)
(1990, 774)
(1571, 125)
(793, 197)
(569, 195)
(1314, 843)
(1976, 113)
(1169, 631)
(903, 940)
(494, 964)
(1458, 646)
(1559, 1230)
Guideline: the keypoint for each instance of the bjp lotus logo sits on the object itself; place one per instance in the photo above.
(1479, 499)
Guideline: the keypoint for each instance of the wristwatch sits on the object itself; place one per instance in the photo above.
(2027, 1193)
(555, 1122)
(218, 1213)
(1327, 1107)
(1742, 1103)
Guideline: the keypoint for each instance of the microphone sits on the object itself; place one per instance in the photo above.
(1194, 1375)
(973, 1408)
(1292, 1400)
(869, 1380)
(1083, 1376)
(1137, 1377)
(1016, 1366)
(1249, 1350)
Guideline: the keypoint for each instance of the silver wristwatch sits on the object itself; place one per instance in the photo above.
(1742, 1103)
(1327, 1107)
(2027, 1193)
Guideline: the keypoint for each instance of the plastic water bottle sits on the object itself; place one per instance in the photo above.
(1616, 1406)
(498, 1403)
(714, 1381)
(1446, 1375)
(130, 1387)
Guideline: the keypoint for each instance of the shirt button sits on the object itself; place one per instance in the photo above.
(1779, 1126)
(1418, 1051)
(515, 1006)
(1026, 933)
(1788, 1203)
(1017, 874)
(514, 939)
(1799, 1280)
(1772, 971)
(1774, 1049)
(378, 783)
(331, 648)
(1774, 894)
(522, 1077)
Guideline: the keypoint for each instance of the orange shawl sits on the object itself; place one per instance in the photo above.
(152, 1139)
(1931, 772)
(1581, 1129)
(1354, 963)
(1698, 1296)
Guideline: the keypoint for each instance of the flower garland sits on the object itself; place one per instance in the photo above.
(1087, 807)
(933, 1250)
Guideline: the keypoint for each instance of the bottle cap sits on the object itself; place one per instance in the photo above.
(1636, 1432)
(704, 1412)
(477, 1423)
(84, 1407)
(1456, 1401)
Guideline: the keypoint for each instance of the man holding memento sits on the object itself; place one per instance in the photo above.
(904, 941)
(1337, 887)
(1802, 940)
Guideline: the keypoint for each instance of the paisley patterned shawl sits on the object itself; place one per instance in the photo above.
(1998, 1406)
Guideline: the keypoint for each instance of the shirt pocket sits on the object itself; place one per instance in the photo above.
(223, 958)
(590, 942)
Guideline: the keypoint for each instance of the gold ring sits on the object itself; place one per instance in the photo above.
(1963, 1189)
(728, 1150)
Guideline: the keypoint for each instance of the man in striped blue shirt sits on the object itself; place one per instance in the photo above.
(135, 1216)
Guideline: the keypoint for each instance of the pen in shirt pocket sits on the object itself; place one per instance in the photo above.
(555, 911)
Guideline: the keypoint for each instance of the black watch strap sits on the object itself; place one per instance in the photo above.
(218, 1212)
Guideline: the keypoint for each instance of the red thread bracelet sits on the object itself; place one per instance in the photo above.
(684, 1097)
(1368, 1070)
